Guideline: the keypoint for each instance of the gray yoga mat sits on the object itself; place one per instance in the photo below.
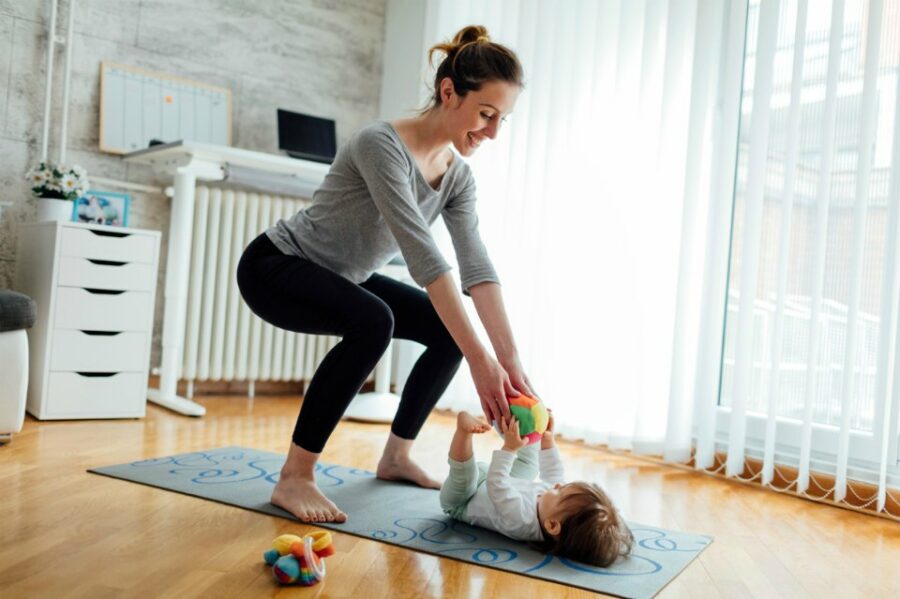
(406, 515)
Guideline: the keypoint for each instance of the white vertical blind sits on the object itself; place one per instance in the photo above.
(721, 182)
(768, 470)
(823, 199)
(863, 177)
(753, 213)
(686, 336)
(887, 387)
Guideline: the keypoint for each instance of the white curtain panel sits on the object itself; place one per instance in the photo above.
(595, 205)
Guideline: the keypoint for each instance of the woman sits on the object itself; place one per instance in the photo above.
(313, 273)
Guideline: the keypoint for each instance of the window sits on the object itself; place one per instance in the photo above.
(805, 261)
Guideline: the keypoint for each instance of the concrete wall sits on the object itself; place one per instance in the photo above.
(322, 57)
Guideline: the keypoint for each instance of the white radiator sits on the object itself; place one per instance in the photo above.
(224, 340)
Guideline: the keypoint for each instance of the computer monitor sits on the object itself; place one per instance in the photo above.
(307, 137)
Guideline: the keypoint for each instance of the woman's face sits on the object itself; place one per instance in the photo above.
(477, 116)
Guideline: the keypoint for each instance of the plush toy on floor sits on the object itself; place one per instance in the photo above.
(297, 560)
(532, 416)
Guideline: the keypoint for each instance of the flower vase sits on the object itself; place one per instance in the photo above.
(54, 210)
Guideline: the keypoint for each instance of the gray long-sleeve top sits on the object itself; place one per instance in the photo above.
(374, 203)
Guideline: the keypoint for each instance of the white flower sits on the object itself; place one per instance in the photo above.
(38, 177)
(68, 183)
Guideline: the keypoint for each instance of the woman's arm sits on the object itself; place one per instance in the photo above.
(489, 304)
(491, 381)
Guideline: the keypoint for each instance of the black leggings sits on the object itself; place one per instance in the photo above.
(298, 295)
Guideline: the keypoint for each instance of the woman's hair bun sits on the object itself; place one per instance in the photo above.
(471, 34)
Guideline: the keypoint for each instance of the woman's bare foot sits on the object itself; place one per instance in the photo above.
(301, 497)
(296, 490)
(470, 424)
(404, 469)
(396, 464)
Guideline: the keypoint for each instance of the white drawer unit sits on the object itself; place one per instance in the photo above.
(90, 347)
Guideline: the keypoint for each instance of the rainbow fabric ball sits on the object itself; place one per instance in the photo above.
(300, 560)
(532, 415)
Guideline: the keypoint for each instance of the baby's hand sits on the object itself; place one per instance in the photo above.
(512, 441)
(547, 439)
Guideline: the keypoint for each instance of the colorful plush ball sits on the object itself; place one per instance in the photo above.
(532, 416)
(297, 560)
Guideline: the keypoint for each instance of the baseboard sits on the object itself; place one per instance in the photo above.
(243, 387)
(861, 496)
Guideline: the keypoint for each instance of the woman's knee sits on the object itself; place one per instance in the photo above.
(374, 323)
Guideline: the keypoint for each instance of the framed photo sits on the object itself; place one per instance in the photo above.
(102, 208)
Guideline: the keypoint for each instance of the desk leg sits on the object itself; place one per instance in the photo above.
(181, 223)
(379, 405)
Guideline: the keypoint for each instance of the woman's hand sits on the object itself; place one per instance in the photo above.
(512, 440)
(517, 377)
(493, 386)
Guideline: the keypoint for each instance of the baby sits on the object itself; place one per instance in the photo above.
(574, 520)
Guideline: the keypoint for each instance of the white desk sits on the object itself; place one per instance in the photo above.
(188, 162)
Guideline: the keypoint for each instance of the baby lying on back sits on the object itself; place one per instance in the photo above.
(574, 520)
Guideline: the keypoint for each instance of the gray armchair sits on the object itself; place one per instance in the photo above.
(17, 313)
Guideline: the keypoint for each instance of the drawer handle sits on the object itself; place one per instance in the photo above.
(97, 374)
(109, 233)
(106, 262)
(102, 333)
(103, 291)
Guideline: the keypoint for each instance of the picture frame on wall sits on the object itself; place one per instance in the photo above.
(102, 208)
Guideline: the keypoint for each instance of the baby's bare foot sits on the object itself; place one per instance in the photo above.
(301, 497)
(404, 469)
(470, 424)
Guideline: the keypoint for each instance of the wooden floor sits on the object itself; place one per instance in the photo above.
(67, 533)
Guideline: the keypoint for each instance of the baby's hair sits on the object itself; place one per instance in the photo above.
(472, 59)
(592, 532)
